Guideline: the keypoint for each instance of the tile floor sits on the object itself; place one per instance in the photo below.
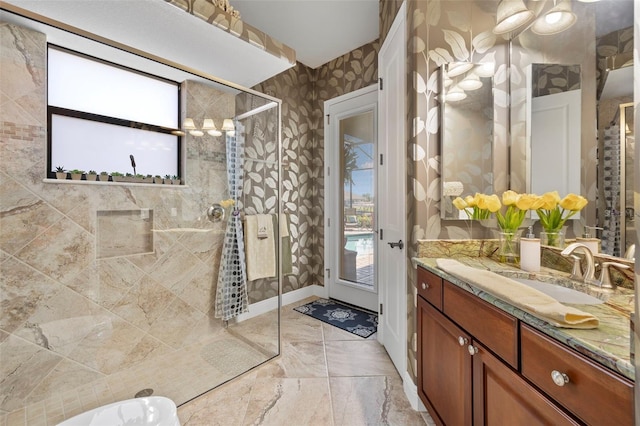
(324, 376)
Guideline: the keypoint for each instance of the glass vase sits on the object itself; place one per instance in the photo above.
(552, 238)
(509, 247)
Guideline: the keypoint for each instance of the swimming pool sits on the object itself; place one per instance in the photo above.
(361, 243)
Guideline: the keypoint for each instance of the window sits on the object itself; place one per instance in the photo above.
(100, 114)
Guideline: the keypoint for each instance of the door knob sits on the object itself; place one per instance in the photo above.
(399, 244)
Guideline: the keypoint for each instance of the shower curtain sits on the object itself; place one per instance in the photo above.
(611, 187)
(231, 293)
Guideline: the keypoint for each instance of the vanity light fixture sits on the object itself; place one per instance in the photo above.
(227, 126)
(455, 94)
(209, 126)
(485, 69)
(190, 126)
(511, 15)
(556, 20)
(470, 82)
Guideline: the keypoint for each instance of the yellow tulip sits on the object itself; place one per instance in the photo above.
(471, 201)
(459, 203)
(481, 201)
(550, 200)
(510, 197)
(573, 202)
(492, 203)
(528, 202)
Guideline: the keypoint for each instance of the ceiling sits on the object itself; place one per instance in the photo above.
(318, 30)
(160, 29)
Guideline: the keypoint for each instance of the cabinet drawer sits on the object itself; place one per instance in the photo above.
(496, 329)
(593, 394)
(430, 287)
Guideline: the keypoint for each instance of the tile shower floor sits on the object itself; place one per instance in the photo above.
(324, 376)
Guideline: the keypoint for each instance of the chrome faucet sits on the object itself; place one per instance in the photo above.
(588, 276)
(605, 277)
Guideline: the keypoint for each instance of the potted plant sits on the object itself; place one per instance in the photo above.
(148, 179)
(167, 179)
(61, 173)
(157, 179)
(175, 180)
(76, 174)
(92, 175)
(117, 177)
(138, 178)
(129, 177)
(103, 176)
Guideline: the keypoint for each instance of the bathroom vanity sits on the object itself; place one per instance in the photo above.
(482, 361)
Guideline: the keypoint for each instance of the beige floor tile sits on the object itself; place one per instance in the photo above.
(280, 402)
(377, 400)
(358, 358)
(298, 359)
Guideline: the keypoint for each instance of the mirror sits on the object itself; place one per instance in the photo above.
(466, 99)
(553, 128)
(583, 59)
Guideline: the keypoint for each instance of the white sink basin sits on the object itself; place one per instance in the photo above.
(561, 294)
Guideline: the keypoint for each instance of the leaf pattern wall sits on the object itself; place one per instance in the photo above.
(303, 91)
(442, 31)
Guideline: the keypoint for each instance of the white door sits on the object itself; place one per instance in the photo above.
(392, 328)
(350, 198)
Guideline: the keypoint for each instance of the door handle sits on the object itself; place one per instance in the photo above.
(399, 244)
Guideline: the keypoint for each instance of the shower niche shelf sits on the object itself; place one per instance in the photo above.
(124, 233)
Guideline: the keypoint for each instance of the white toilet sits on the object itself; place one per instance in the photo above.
(149, 411)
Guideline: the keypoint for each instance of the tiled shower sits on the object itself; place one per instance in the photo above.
(107, 290)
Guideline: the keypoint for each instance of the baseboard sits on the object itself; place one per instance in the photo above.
(271, 303)
(411, 391)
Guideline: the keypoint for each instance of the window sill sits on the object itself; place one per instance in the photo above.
(110, 183)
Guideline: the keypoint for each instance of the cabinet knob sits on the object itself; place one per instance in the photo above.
(472, 350)
(559, 378)
(425, 286)
(462, 340)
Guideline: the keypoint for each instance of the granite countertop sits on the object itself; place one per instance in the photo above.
(608, 345)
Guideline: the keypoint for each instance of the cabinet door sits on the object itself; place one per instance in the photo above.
(502, 397)
(444, 367)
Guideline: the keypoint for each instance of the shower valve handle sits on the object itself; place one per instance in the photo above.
(399, 244)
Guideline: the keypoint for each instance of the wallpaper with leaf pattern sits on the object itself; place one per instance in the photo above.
(303, 91)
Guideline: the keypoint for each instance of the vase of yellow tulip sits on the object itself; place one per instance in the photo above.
(554, 212)
(481, 206)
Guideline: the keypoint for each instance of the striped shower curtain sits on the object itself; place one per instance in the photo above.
(611, 188)
(231, 293)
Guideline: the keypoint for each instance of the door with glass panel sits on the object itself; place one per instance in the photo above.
(350, 243)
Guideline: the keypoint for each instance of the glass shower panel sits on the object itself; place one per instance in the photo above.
(110, 292)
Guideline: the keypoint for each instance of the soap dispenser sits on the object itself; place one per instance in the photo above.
(590, 240)
(530, 252)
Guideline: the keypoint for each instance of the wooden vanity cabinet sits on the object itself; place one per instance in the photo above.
(596, 395)
(444, 367)
(479, 365)
(502, 397)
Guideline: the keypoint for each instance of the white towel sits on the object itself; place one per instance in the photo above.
(520, 295)
(284, 225)
(261, 254)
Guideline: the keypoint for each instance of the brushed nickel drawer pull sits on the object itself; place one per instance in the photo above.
(425, 286)
(559, 378)
(472, 350)
(462, 340)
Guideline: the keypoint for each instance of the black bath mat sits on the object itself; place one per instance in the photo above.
(351, 319)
